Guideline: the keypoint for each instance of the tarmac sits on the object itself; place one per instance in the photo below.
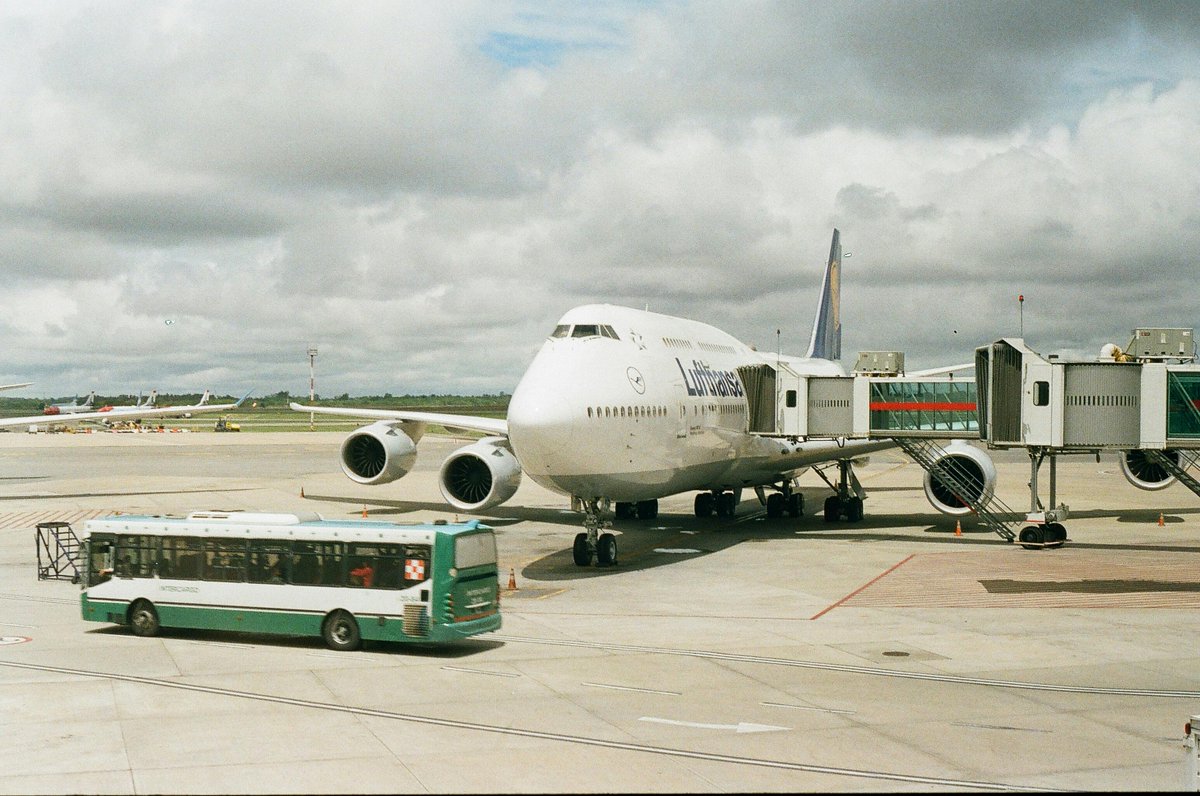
(720, 655)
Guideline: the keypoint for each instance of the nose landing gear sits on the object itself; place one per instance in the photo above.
(592, 543)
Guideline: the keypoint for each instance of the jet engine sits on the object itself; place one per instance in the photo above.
(969, 466)
(378, 454)
(1145, 473)
(480, 475)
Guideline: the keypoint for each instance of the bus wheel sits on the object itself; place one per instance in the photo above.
(341, 632)
(143, 618)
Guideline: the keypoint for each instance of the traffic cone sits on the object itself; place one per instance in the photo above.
(301, 491)
(1161, 522)
(958, 528)
(512, 579)
(364, 512)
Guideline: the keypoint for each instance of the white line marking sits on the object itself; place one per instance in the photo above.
(479, 671)
(632, 688)
(741, 726)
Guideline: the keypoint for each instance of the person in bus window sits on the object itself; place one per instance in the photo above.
(363, 574)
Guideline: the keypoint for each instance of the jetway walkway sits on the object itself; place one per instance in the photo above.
(1143, 404)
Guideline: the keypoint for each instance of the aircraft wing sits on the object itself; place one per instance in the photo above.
(488, 425)
(137, 414)
(14, 386)
(942, 371)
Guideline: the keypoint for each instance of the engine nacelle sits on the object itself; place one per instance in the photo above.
(1145, 473)
(968, 465)
(378, 454)
(480, 475)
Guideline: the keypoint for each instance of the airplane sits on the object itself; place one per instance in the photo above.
(149, 403)
(622, 407)
(72, 408)
(129, 413)
(15, 386)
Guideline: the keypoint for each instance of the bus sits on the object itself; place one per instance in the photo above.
(292, 574)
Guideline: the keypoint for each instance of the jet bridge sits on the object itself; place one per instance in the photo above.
(1143, 403)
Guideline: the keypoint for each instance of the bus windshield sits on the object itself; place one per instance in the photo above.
(474, 550)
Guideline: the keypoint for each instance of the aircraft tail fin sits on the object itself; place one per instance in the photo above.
(151, 399)
(91, 399)
(204, 398)
(826, 340)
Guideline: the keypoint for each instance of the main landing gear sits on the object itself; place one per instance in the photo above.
(848, 502)
(724, 504)
(592, 543)
(785, 500)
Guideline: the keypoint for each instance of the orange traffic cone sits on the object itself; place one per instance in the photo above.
(1161, 522)
(512, 579)
(957, 528)
(364, 511)
(301, 491)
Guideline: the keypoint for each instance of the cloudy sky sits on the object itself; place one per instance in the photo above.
(194, 193)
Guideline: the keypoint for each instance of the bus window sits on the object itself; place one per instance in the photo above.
(136, 556)
(474, 550)
(225, 560)
(181, 557)
(269, 562)
(100, 559)
(318, 563)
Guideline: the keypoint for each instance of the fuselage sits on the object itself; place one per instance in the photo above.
(634, 405)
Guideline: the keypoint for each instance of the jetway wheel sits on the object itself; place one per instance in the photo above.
(1032, 537)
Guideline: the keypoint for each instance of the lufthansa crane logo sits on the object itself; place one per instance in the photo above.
(636, 380)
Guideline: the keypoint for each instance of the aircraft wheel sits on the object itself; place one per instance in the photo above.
(143, 618)
(1031, 537)
(580, 552)
(833, 508)
(726, 504)
(775, 505)
(704, 504)
(606, 550)
(795, 505)
(624, 511)
(647, 509)
(854, 509)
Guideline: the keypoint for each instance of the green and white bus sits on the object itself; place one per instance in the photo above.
(293, 574)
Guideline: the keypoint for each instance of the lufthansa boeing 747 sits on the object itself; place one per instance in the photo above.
(622, 407)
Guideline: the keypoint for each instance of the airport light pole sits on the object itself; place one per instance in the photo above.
(312, 383)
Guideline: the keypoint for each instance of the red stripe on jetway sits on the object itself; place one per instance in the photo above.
(916, 406)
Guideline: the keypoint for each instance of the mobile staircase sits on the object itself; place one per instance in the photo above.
(57, 552)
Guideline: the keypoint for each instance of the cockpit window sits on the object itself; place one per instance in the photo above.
(562, 330)
(585, 330)
(608, 331)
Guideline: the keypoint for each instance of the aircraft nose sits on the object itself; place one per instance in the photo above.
(542, 426)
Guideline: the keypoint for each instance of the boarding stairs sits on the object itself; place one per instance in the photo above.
(1179, 468)
(992, 512)
(57, 552)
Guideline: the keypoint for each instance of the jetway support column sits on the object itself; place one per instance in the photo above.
(1045, 528)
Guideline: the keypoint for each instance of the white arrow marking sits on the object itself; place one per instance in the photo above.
(741, 726)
